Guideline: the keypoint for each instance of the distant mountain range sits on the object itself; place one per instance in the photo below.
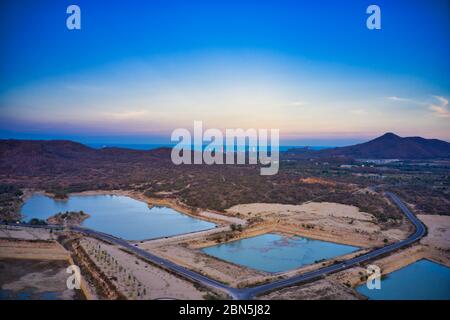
(20, 158)
(28, 155)
(390, 146)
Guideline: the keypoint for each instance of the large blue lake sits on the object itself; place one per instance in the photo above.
(276, 253)
(120, 216)
(422, 280)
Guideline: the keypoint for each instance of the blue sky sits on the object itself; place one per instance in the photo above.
(139, 69)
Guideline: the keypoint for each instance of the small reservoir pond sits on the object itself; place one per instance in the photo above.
(119, 216)
(275, 253)
(422, 280)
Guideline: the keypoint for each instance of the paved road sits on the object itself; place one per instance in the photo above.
(194, 276)
(249, 293)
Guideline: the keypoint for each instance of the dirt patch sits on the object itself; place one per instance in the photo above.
(26, 233)
(29, 249)
(438, 231)
(319, 290)
(312, 180)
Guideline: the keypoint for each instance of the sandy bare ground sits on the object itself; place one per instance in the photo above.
(437, 241)
(44, 279)
(320, 209)
(147, 244)
(438, 231)
(318, 290)
(137, 279)
(36, 250)
(24, 233)
(221, 217)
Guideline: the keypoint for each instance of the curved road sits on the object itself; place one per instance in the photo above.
(249, 293)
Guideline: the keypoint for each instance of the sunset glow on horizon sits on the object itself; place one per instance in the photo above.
(316, 79)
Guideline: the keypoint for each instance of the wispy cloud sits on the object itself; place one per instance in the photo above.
(400, 99)
(127, 115)
(441, 109)
(294, 104)
(395, 98)
(359, 112)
